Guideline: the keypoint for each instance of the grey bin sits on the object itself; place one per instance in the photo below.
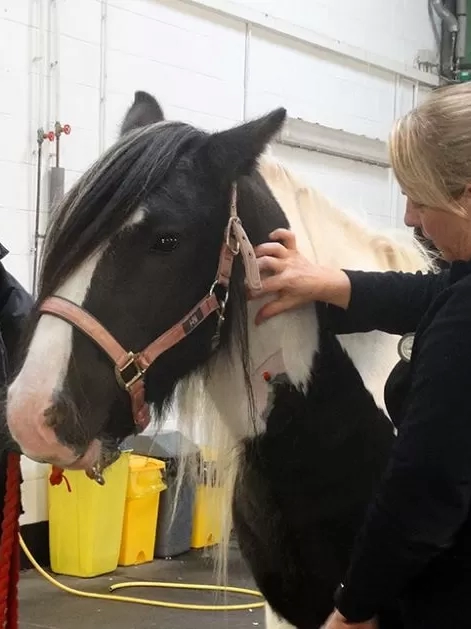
(173, 536)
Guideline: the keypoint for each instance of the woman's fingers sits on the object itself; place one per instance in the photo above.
(268, 263)
(274, 249)
(286, 236)
(286, 243)
(272, 284)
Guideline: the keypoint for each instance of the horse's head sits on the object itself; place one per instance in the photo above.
(136, 244)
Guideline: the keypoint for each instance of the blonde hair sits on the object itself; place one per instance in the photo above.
(430, 149)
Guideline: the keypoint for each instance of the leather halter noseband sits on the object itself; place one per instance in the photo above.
(235, 241)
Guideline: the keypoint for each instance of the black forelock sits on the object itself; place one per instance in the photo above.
(108, 193)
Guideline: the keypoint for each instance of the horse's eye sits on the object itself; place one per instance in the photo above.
(166, 243)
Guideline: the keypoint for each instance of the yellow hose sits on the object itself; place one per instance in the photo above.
(159, 584)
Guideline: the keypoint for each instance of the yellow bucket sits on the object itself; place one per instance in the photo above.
(145, 484)
(208, 508)
(85, 524)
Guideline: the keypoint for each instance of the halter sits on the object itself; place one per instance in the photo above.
(130, 367)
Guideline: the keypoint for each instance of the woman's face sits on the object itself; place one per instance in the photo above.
(451, 234)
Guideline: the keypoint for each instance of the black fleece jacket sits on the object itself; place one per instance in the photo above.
(418, 523)
(15, 305)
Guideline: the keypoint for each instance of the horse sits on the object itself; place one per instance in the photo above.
(143, 305)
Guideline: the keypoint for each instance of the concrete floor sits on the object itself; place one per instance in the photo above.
(43, 606)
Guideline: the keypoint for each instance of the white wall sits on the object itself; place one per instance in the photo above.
(393, 29)
(79, 62)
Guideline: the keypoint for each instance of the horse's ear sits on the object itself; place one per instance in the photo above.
(143, 111)
(234, 152)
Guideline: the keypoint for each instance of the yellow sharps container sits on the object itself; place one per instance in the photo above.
(85, 523)
(142, 507)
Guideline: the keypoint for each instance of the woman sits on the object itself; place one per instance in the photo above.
(415, 545)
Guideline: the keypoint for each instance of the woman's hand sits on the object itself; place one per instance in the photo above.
(294, 278)
(337, 621)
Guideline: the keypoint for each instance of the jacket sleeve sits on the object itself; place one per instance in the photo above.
(15, 306)
(425, 494)
(390, 301)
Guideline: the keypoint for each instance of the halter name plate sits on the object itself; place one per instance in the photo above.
(404, 347)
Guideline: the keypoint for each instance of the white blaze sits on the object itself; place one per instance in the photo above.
(45, 368)
(43, 373)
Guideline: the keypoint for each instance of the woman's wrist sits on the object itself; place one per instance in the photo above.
(336, 290)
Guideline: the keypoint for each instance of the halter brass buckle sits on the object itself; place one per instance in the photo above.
(133, 360)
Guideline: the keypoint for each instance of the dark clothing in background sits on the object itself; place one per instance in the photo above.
(415, 546)
(15, 305)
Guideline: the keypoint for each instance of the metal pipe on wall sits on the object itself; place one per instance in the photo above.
(42, 60)
(103, 74)
(49, 79)
(462, 17)
(449, 30)
(56, 61)
(445, 15)
(248, 37)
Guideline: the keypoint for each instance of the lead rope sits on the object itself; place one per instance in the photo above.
(57, 476)
(10, 545)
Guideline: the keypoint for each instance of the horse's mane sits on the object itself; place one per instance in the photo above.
(327, 235)
(324, 224)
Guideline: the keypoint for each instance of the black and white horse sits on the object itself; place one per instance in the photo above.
(295, 412)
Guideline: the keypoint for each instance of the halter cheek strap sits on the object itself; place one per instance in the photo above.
(130, 367)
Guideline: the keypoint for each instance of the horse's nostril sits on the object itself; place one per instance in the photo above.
(53, 416)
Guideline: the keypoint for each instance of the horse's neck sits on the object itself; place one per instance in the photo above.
(327, 236)
(288, 343)
(283, 345)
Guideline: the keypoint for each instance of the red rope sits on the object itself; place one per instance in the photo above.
(10, 542)
(12, 615)
(10, 545)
